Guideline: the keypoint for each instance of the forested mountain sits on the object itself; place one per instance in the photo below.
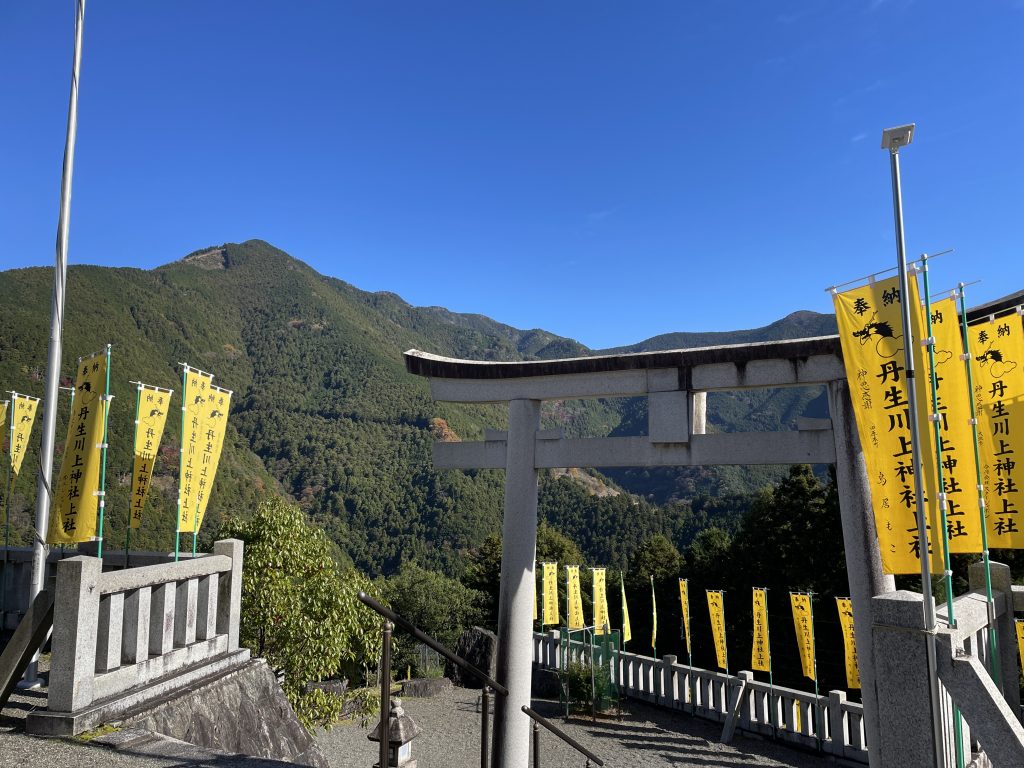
(325, 413)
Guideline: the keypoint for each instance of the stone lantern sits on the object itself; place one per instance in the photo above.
(402, 729)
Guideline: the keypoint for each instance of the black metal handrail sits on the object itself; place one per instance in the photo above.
(426, 639)
(543, 721)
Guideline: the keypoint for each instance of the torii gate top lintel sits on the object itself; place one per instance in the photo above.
(796, 362)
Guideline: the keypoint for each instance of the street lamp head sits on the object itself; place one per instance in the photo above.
(900, 136)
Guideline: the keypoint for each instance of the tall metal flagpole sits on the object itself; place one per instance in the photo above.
(994, 668)
(43, 489)
(893, 139)
(937, 427)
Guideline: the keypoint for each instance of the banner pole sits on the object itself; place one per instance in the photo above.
(929, 342)
(7, 515)
(994, 660)
(44, 496)
(195, 529)
(689, 652)
(135, 440)
(814, 657)
(107, 397)
(927, 604)
(771, 681)
(181, 460)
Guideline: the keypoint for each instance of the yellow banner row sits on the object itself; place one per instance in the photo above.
(79, 498)
(990, 354)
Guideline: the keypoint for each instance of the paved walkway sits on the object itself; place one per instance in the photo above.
(647, 736)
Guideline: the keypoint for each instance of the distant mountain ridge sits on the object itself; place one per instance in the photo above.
(802, 324)
(325, 413)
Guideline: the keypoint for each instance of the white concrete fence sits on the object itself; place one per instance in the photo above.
(123, 637)
(786, 713)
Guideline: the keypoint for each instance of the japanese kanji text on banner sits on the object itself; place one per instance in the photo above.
(870, 331)
(716, 609)
(211, 443)
(193, 397)
(998, 350)
(76, 503)
(849, 641)
(684, 602)
(574, 597)
(600, 602)
(149, 428)
(550, 593)
(760, 653)
(23, 416)
(804, 625)
(963, 518)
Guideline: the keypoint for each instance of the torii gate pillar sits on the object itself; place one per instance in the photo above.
(515, 599)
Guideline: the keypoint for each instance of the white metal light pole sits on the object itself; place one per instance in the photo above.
(43, 479)
(892, 140)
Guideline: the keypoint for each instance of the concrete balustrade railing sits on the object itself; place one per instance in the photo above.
(796, 717)
(122, 630)
(17, 562)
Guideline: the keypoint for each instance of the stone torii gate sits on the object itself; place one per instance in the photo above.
(675, 384)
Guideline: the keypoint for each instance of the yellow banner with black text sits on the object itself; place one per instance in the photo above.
(871, 334)
(153, 405)
(77, 499)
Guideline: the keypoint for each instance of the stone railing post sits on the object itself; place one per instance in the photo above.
(1006, 634)
(837, 722)
(900, 645)
(76, 610)
(229, 592)
(668, 671)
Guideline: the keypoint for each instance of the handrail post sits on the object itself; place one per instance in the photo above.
(385, 692)
(536, 744)
(485, 726)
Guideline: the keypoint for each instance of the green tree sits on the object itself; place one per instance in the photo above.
(299, 609)
(440, 606)
(483, 572)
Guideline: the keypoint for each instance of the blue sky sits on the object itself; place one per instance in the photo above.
(606, 171)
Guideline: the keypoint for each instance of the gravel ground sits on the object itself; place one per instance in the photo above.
(646, 736)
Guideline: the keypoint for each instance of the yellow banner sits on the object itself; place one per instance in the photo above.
(550, 593)
(1019, 624)
(627, 633)
(153, 406)
(600, 601)
(871, 334)
(574, 597)
(845, 607)
(760, 652)
(684, 603)
(3, 426)
(77, 501)
(215, 424)
(23, 416)
(716, 610)
(654, 617)
(963, 519)
(536, 614)
(193, 397)
(998, 353)
(803, 622)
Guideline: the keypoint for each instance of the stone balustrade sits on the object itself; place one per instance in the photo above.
(792, 716)
(126, 636)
